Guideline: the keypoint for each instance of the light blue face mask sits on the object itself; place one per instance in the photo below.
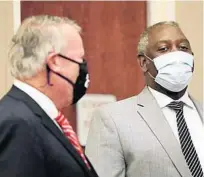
(175, 70)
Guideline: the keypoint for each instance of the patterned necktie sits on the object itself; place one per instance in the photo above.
(71, 135)
(186, 143)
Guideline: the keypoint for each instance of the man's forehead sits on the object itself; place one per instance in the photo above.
(164, 33)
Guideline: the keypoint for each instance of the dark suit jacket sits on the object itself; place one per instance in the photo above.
(31, 145)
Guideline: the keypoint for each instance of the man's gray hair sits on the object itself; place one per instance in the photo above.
(143, 41)
(35, 38)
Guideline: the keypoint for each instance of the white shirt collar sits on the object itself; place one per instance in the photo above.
(42, 100)
(164, 100)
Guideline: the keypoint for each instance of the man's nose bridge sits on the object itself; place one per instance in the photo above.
(174, 48)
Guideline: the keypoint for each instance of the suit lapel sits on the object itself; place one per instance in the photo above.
(152, 114)
(94, 174)
(48, 123)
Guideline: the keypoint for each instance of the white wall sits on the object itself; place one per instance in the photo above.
(6, 26)
(9, 22)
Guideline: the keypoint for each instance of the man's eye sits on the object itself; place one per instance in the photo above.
(183, 48)
(162, 49)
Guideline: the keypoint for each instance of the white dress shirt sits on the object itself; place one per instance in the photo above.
(192, 118)
(42, 100)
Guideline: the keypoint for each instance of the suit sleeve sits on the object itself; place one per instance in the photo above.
(20, 154)
(103, 146)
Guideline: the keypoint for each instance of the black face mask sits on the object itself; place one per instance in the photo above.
(81, 84)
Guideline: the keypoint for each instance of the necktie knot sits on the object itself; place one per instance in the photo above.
(60, 118)
(176, 105)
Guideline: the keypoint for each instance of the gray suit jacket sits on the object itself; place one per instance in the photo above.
(131, 138)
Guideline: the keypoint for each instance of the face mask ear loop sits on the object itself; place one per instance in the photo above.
(151, 75)
(48, 75)
(148, 57)
(151, 61)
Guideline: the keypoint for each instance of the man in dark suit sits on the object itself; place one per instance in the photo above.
(36, 140)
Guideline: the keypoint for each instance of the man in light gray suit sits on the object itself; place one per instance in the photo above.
(160, 132)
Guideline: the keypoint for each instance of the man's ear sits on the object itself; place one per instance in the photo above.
(52, 62)
(143, 62)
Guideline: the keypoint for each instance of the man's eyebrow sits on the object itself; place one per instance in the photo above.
(184, 40)
(166, 41)
(161, 41)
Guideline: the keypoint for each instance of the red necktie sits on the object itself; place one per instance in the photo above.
(71, 135)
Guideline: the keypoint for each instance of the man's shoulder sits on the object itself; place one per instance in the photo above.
(119, 106)
(198, 105)
(128, 102)
(14, 109)
(8, 104)
(196, 101)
